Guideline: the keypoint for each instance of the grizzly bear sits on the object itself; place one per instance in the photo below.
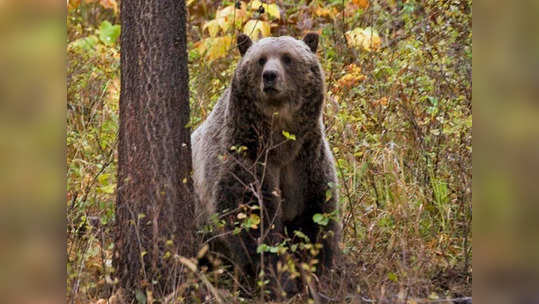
(264, 145)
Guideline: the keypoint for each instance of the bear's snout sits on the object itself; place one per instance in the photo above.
(272, 76)
(269, 77)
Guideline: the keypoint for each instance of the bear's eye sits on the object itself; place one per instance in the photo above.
(287, 59)
(262, 60)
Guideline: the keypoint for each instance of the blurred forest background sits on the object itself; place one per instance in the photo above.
(398, 115)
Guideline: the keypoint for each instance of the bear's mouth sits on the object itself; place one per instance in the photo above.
(270, 90)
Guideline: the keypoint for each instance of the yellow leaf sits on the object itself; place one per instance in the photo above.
(229, 11)
(212, 26)
(229, 14)
(271, 8)
(224, 23)
(325, 12)
(254, 4)
(350, 80)
(254, 220)
(371, 41)
(214, 47)
(257, 28)
(353, 69)
(367, 38)
(225, 12)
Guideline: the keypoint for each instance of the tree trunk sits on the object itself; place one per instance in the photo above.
(154, 210)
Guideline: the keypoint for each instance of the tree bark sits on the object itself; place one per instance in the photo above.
(154, 208)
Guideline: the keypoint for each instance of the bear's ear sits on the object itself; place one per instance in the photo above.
(244, 43)
(311, 40)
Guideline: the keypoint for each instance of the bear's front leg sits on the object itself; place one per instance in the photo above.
(249, 205)
(321, 198)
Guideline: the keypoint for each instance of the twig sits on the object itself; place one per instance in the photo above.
(191, 266)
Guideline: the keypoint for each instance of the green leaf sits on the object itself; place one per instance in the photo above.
(108, 33)
(320, 219)
(140, 296)
(301, 235)
(393, 277)
(251, 222)
(329, 194)
(262, 248)
(266, 248)
(109, 189)
(289, 136)
(86, 43)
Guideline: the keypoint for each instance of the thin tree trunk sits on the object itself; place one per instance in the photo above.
(154, 211)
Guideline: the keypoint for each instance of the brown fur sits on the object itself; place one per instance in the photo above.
(297, 172)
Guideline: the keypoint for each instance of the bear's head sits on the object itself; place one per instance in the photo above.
(280, 73)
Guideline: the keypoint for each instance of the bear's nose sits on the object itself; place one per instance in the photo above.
(269, 76)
